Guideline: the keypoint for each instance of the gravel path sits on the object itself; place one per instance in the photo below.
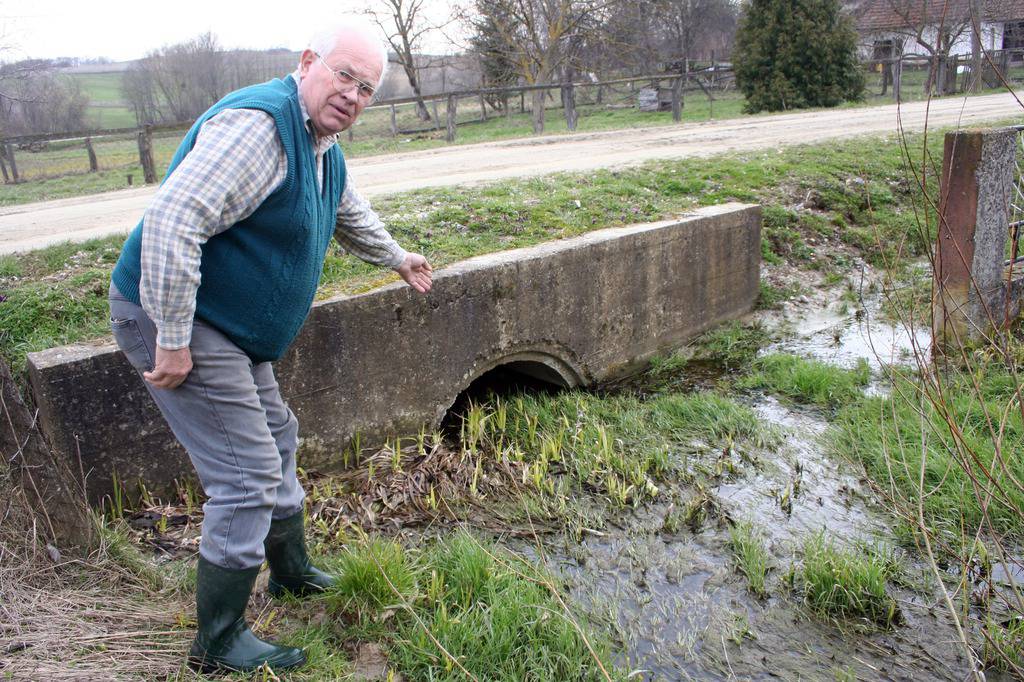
(30, 226)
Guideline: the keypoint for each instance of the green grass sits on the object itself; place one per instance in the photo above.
(1004, 644)
(705, 361)
(890, 435)
(451, 224)
(750, 555)
(369, 577)
(371, 135)
(808, 381)
(102, 88)
(619, 446)
(41, 315)
(847, 583)
(771, 297)
(107, 108)
(732, 345)
(495, 613)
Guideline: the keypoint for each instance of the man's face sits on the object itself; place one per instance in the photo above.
(331, 109)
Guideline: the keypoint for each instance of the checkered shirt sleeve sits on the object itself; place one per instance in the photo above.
(360, 230)
(235, 164)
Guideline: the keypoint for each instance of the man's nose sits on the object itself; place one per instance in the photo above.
(351, 95)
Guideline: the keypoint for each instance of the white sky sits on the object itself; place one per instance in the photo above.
(122, 30)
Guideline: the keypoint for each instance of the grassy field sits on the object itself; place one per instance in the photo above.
(450, 224)
(107, 108)
(61, 170)
(574, 461)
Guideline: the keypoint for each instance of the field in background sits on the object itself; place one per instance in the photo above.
(61, 169)
(107, 108)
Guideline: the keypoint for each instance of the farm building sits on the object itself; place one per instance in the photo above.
(890, 28)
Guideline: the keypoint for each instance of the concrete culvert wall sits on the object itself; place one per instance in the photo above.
(522, 373)
(570, 312)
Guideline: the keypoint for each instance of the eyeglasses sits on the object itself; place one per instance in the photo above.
(344, 81)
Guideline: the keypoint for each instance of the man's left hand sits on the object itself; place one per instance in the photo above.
(416, 272)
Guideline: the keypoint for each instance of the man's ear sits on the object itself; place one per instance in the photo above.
(306, 60)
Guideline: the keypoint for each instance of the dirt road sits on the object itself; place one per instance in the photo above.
(30, 226)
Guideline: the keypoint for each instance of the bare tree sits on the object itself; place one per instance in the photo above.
(936, 27)
(541, 38)
(405, 24)
(34, 98)
(186, 78)
(139, 90)
(631, 39)
(178, 82)
(696, 23)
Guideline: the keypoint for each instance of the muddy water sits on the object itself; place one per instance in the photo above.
(681, 610)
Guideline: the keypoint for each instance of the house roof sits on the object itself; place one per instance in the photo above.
(878, 15)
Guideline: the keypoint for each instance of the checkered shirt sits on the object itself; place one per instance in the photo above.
(236, 163)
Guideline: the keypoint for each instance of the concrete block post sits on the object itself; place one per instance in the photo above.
(451, 119)
(974, 214)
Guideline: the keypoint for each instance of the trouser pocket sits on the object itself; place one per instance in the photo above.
(129, 340)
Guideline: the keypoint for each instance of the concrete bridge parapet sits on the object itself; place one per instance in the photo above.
(570, 312)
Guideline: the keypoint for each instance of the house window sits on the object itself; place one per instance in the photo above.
(1013, 37)
(885, 49)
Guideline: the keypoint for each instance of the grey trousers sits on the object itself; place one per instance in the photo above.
(239, 434)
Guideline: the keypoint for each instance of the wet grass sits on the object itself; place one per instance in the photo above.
(750, 555)
(451, 224)
(459, 605)
(732, 345)
(1004, 644)
(620, 447)
(919, 451)
(847, 583)
(811, 382)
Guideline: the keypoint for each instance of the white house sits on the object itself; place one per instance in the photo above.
(889, 28)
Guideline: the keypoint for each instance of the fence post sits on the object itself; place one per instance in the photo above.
(394, 122)
(483, 107)
(437, 121)
(12, 163)
(3, 164)
(146, 154)
(508, 107)
(522, 101)
(971, 292)
(677, 99)
(93, 164)
(450, 132)
(569, 102)
(897, 78)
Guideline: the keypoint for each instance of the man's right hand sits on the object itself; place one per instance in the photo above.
(171, 369)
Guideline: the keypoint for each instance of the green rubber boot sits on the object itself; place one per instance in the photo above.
(291, 572)
(223, 639)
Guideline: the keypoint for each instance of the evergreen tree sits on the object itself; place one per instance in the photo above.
(792, 54)
(490, 42)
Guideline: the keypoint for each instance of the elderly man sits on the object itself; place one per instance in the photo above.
(214, 284)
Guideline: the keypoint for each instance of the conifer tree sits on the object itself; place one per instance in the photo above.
(792, 54)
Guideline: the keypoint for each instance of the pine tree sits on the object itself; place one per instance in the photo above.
(497, 63)
(792, 54)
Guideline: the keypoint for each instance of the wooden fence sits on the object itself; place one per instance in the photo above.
(669, 93)
(35, 143)
(943, 76)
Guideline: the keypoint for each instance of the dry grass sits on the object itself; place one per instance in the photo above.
(97, 617)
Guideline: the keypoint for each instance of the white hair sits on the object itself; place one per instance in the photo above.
(325, 40)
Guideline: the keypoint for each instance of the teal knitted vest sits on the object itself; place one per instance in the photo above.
(259, 276)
